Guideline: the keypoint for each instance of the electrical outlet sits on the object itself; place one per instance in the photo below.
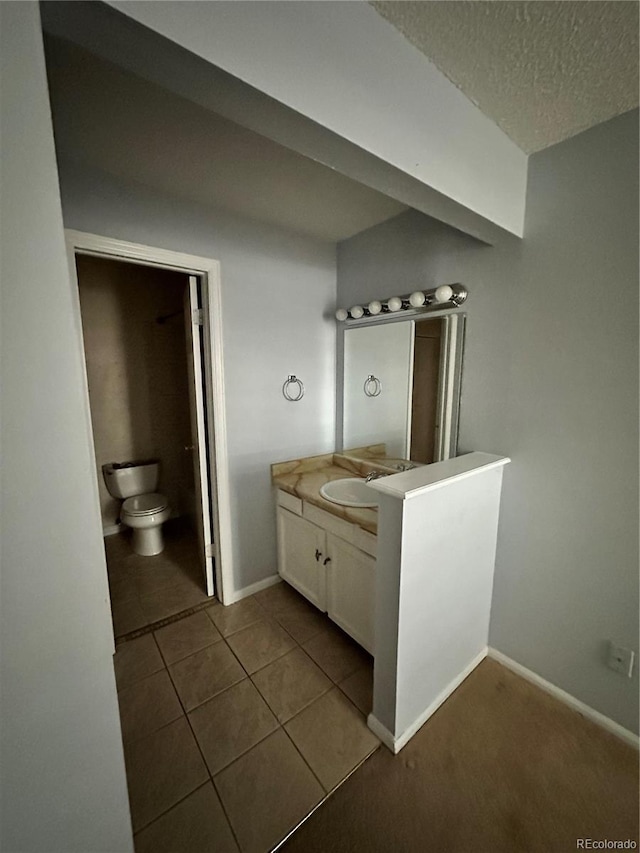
(620, 659)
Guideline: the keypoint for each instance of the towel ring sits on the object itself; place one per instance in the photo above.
(372, 386)
(293, 380)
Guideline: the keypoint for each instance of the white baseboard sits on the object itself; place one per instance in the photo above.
(381, 732)
(246, 591)
(586, 711)
(394, 743)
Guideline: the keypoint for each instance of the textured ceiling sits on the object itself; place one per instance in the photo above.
(542, 70)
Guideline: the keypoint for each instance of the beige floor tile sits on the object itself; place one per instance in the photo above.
(148, 705)
(121, 590)
(235, 617)
(332, 737)
(162, 769)
(336, 654)
(162, 576)
(205, 674)
(117, 547)
(359, 688)
(279, 597)
(260, 644)
(127, 616)
(167, 602)
(303, 622)
(267, 792)
(136, 659)
(291, 683)
(188, 635)
(196, 825)
(118, 570)
(231, 723)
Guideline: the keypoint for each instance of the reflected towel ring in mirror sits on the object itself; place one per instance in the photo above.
(286, 389)
(372, 386)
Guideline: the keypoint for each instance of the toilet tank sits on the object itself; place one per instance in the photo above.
(127, 479)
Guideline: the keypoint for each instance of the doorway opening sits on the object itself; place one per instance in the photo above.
(146, 334)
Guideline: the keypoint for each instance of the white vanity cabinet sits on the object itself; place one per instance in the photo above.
(301, 550)
(351, 590)
(331, 562)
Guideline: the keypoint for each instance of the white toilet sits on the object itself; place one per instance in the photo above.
(144, 509)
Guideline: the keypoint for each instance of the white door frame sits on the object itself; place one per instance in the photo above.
(208, 270)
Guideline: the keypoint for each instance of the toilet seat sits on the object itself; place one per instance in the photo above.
(141, 505)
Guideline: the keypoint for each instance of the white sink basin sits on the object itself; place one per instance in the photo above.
(351, 491)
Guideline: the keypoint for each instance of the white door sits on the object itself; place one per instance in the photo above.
(193, 324)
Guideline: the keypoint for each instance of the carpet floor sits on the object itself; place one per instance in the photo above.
(501, 767)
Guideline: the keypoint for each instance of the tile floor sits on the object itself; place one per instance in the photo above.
(237, 721)
(146, 589)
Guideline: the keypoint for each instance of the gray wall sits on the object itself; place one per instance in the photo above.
(551, 379)
(278, 296)
(63, 780)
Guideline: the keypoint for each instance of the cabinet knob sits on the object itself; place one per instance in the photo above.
(318, 555)
(327, 560)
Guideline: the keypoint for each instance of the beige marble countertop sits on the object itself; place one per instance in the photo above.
(304, 478)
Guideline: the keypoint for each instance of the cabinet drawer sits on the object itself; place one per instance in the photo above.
(346, 530)
(328, 522)
(290, 502)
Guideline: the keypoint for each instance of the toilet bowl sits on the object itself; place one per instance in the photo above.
(145, 515)
(143, 510)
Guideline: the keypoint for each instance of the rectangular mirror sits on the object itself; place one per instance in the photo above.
(401, 387)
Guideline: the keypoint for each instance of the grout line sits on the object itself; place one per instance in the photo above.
(130, 743)
(150, 629)
(224, 811)
(204, 760)
(220, 692)
(303, 758)
(166, 620)
(181, 800)
(332, 685)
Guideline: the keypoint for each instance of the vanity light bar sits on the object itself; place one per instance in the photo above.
(445, 296)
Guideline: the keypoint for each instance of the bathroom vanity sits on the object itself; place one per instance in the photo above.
(331, 562)
(410, 580)
(325, 550)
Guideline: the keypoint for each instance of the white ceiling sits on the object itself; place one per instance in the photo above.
(114, 121)
(542, 70)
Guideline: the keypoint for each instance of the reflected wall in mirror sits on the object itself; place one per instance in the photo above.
(402, 387)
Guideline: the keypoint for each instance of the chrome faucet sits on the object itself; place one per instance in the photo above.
(374, 475)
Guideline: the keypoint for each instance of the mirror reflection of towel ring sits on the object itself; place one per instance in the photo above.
(293, 380)
(372, 386)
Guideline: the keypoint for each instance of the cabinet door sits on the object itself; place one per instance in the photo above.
(301, 552)
(351, 590)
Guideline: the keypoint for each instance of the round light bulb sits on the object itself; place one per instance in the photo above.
(356, 312)
(375, 307)
(395, 303)
(417, 299)
(342, 314)
(443, 293)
